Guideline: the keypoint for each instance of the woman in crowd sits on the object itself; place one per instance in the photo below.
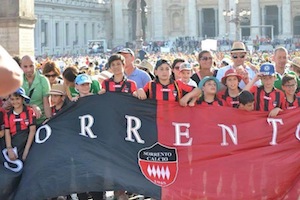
(52, 72)
(205, 59)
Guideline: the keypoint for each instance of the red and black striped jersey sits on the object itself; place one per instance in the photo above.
(19, 122)
(54, 111)
(216, 102)
(267, 101)
(126, 85)
(294, 104)
(171, 92)
(228, 100)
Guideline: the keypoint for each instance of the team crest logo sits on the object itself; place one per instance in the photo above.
(159, 164)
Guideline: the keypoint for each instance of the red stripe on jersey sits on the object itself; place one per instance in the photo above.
(267, 101)
(171, 92)
(228, 100)
(126, 85)
(21, 121)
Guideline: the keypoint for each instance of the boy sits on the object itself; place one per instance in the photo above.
(57, 97)
(246, 101)
(20, 126)
(82, 85)
(186, 73)
(289, 86)
(231, 94)
(118, 82)
(209, 86)
(267, 97)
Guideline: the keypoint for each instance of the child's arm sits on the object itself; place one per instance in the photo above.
(11, 153)
(252, 82)
(194, 94)
(102, 91)
(1, 133)
(140, 94)
(274, 112)
(32, 130)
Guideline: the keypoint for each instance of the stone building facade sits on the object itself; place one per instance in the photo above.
(65, 26)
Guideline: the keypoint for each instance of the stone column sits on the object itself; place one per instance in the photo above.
(157, 19)
(222, 22)
(255, 18)
(287, 19)
(263, 20)
(279, 7)
(192, 20)
(117, 23)
(17, 23)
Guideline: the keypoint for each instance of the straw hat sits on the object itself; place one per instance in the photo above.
(295, 62)
(238, 47)
(146, 64)
(57, 89)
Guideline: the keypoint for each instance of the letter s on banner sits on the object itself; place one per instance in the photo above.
(18, 163)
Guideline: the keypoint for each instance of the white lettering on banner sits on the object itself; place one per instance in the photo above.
(275, 128)
(298, 132)
(179, 134)
(133, 130)
(86, 128)
(48, 134)
(18, 163)
(231, 133)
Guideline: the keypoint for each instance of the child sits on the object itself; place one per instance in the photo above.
(209, 86)
(186, 73)
(118, 82)
(246, 101)
(83, 85)
(163, 87)
(231, 94)
(267, 97)
(20, 126)
(289, 86)
(57, 97)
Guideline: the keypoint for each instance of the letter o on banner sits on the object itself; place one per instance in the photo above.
(48, 134)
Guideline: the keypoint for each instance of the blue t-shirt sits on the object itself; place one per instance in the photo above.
(140, 77)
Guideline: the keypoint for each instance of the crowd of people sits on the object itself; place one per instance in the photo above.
(253, 82)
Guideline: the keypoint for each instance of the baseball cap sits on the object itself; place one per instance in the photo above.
(20, 91)
(57, 89)
(185, 66)
(208, 78)
(82, 78)
(267, 69)
(126, 50)
(230, 72)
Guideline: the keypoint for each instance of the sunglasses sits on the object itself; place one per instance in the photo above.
(50, 75)
(206, 58)
(290, 86)
(235, 56)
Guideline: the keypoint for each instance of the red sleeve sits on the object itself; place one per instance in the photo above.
(220, 94)
(253, 89)
(6, 121)
(184, 87)
(133, 86)
(146, 87)
(32, 117)
(103, 85)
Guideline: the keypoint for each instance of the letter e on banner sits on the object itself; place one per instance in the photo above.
(179, 134)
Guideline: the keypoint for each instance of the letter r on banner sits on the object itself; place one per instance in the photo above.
(133, 130)
(86, 128)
